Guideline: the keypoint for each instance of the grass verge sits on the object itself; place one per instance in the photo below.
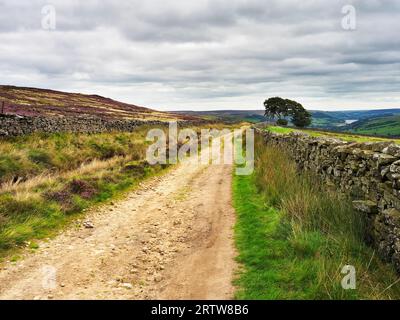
(294, 236)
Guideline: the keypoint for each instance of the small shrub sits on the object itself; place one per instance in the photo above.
(282, 122)
(8, 167)
(67, 198)
(78, 204)
(136, 167)
(59, 196)
(62, 197)
(107, 150)
(40, 157)
(82, 188)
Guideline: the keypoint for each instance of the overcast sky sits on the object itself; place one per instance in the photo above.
(196, 54)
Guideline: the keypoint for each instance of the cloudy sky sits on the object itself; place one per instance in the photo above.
(197, 54)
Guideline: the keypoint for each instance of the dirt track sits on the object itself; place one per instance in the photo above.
(171, 239)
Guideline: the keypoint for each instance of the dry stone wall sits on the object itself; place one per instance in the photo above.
(369, 172)
(11, 125)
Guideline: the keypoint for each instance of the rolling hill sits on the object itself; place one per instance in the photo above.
(341, 119)
(253, 116)
(321, 119)
(43, 102)
(383, 126)
(381, 122)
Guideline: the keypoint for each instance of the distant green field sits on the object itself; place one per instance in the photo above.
(387, 126)
(379, 122)
(337, 135)
(385, 122)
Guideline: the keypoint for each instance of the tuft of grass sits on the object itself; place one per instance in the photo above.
(40, 157)
(294, 235)
(9, 166)
(15, 258)
(33, 245)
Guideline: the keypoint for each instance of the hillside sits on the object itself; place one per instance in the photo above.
(253, 116)
(42, 102)
(373, 122)
(325, 119)
(384, 126)
(340, 119)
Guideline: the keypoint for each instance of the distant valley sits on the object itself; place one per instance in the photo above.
(383, 122)
(50, 103)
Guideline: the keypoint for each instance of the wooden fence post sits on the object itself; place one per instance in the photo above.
(2, 107)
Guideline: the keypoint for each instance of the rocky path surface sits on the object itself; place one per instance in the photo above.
(170, 239)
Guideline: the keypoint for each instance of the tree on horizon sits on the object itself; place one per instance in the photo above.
(277, 107)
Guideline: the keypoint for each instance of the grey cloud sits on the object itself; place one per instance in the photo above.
(174, 54)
